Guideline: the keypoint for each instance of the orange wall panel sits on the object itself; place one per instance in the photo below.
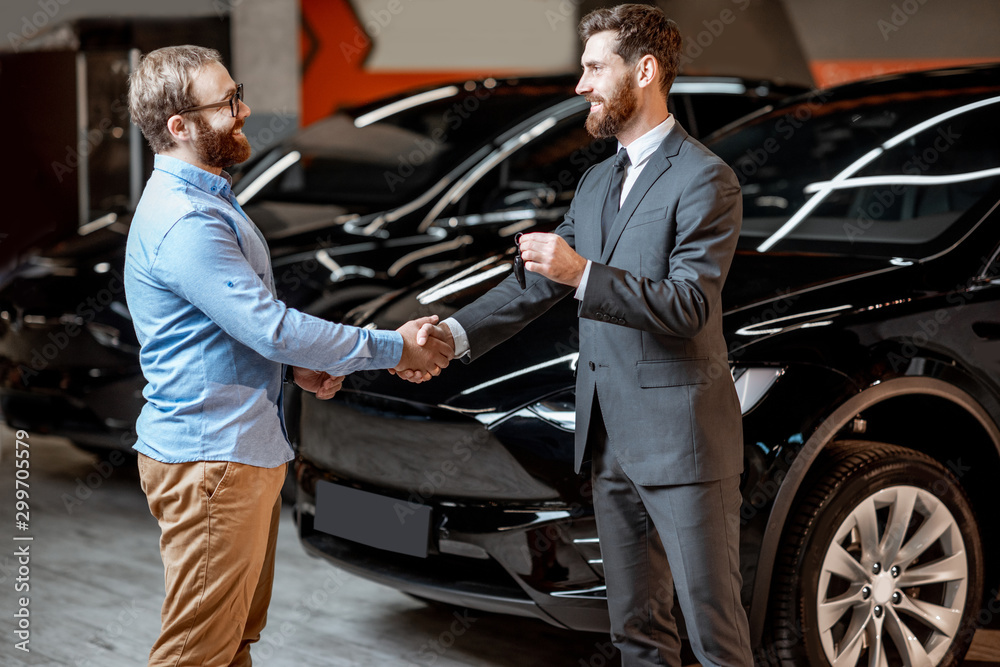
(333, 48)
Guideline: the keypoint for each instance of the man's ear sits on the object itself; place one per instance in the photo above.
(178, 128)
(647, 71)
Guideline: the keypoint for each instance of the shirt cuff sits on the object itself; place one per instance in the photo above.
(459, 335)
(578, 295)
(386, 348)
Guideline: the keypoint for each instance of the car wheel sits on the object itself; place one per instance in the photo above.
(880, 565)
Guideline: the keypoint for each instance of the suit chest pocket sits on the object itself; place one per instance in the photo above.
(650, 238)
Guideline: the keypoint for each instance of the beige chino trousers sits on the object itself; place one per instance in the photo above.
(219, 527)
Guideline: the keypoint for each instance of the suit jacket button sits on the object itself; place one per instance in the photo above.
(591, 364)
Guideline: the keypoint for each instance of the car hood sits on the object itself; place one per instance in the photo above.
(541, 359)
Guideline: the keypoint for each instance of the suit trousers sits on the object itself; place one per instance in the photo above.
(655, 539)
(219, 528)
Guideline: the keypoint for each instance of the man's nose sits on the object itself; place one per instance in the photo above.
(244, 110)
(582, 86)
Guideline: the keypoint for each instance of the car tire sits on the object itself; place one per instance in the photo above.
(851, 581)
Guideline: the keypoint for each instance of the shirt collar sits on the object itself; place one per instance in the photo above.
(196, 176)
(644, 146)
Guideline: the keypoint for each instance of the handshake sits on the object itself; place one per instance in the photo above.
(427, 348)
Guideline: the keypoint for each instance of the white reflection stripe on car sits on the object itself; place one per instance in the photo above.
(571, 358)
(864, 181)
(406, 103)
(269, 175)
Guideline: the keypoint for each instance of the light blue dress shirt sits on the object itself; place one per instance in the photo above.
(214, 336)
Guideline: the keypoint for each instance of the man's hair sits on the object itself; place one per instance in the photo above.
(161, 86)
(641, 30)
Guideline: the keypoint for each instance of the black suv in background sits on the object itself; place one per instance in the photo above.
(352, 206)
(862, 315)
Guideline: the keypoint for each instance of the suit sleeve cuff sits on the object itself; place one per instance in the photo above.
(461, 338)
(582, 288)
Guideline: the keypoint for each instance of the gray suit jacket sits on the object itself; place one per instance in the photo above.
(651, 342)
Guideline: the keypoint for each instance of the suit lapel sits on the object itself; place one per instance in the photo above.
(657, 165)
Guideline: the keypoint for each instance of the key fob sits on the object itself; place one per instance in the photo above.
(519, 264)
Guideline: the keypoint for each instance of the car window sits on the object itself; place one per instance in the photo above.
(544, 173)
(394, 159)
(886, 177)
(702, 114)
(541, 175)
(916, 190)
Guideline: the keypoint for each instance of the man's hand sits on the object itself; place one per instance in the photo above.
(322, 384)
(420, 362)
(441, 332)
(550, 256)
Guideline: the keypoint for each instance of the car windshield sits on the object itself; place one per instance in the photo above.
(376, 158)
(889, 176)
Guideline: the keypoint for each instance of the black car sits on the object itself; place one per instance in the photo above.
(862, 314)
(367, 200)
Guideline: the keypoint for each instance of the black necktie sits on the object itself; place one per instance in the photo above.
(613, 199)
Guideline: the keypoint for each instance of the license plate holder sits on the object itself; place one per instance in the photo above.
(373, 520)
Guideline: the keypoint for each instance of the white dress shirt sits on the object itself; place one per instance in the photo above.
(639, 152)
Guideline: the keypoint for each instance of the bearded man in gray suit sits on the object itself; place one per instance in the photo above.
(645, 248)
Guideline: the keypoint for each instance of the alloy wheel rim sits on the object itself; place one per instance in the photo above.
(893, 582)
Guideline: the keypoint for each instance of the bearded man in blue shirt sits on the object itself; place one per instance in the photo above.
(216, 345)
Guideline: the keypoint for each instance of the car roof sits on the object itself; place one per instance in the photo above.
(968, 76)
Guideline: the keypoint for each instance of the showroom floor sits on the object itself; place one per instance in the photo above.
(96, 586)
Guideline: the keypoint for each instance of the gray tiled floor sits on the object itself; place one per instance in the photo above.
(96, 586)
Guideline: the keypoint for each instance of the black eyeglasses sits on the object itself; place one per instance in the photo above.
(233, 103)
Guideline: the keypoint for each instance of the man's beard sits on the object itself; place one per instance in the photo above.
(618, 110)
(220, 148)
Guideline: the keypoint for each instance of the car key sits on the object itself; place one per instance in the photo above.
(519, 263)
